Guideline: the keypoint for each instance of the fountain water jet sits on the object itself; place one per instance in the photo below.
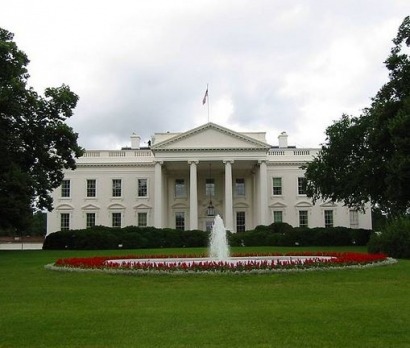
(218, 246)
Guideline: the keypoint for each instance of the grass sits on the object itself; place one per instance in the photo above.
(346, 308)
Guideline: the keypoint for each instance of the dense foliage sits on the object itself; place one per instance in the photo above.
(394, 239)
(367, 158)
(132, 237)
(35, 143)
(282, 234)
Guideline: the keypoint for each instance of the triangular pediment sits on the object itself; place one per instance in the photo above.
(90, 207)
(210, 137)
(141, 206)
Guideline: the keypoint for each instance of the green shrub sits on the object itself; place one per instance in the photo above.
(130, 237)
(394, 240)
(282, 234)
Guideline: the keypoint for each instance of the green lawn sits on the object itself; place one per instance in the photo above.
(346, 308)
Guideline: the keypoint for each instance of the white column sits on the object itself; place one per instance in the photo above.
(228, 197)
(263, 194)
(193, 196)
(158, 195)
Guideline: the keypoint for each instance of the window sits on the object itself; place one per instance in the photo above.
(328, 218)
(208, 225)
(64, 221)
(277, 186)
(91, 188)
(278, 216)
(90, 220)
(354, 218)
(116, 187)
(180, 188)
(240, 187)
(180, 221)
(65, 188)
(142, 187)
(240, 221)
(116, 219)
(210, 187)
(303, 218)
(142, 219)
(301, 185)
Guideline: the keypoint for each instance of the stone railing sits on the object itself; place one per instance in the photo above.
(117, 153)
(292, 152)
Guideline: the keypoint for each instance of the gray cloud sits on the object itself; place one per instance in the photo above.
(142, 66)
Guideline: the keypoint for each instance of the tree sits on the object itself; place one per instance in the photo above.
(35, 143)
(367, 158)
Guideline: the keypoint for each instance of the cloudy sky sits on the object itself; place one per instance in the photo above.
(143, 66)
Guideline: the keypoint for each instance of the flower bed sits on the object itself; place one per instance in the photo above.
(242, 263)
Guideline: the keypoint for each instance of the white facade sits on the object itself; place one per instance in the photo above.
(172, 183)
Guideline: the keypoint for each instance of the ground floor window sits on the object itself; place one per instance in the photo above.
(142, 219)
(354, 218)
(64, 221)
(303, 218)
(328, 218)
(240, 221)
(90, 220)
(116, 219)
(278, 216)
(180, 221)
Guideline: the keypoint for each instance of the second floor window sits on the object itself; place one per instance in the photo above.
(210, 187)
(142, 187)
(116, 187)
(180, 188)
(91, 188)
(240, 187)
(65, 188)
(277, 186)
(301, 186)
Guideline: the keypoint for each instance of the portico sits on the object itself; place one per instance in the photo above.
(217, 162)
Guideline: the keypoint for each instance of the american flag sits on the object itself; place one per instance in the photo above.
(205, 96)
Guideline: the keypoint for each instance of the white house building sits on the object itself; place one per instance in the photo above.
(183, 179)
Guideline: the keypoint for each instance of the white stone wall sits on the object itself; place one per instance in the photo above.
(254, 161)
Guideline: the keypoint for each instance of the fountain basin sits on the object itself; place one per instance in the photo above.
(254, 261)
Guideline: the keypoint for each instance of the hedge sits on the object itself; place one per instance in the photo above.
(132, 237)
(282, 234)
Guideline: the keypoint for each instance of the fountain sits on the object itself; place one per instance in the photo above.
(218, 246)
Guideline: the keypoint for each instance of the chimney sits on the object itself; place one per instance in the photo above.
(283, 140)
(135, 141)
